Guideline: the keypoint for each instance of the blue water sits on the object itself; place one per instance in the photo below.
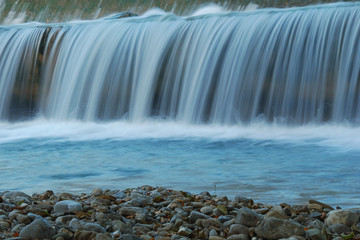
(253, 161)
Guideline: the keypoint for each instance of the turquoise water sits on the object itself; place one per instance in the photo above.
(263, 103)
(267, 163)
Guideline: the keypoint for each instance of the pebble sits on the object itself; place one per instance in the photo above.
(67, 206)
(164, 214)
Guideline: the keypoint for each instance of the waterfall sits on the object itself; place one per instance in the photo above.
(293, 66)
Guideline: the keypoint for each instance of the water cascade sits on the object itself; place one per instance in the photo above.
(293, 66)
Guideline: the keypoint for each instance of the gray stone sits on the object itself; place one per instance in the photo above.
(315, 207)
(64, 220)
(225, 218)
(101, 236)
(339, 228)
(239, 237)
(38, 229)
(185, 231)
(206, 210)
(246, 201)
(21, 218)
(314, 234)
(316, 224)
(93, 227)
(129, 237)
(80, 225)
(276, 214)
(274, 228)
(17, 197)
(195, 215)
(247, 217)
(217, 212)
(75, 224)
(341, 216)
(211, 222)
(66, 206)
(238, 229)
(120, 226)
(97, 192)
(4, 225)
(216, 238)
(17, 228)
(120, 195)
(316, 215)
(213, 233)
(321, 204)
(85, 235)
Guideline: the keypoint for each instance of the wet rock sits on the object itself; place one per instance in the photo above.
(17, 197)
(345, 217)
(129, 237)
(211, 222)
(276, 214)
(101, 236)
(300, 208)
(339, 228)
(248, 202)
(64, 220)
(239, 237)
(206, 210)
(21, 218)
(213, 233)
(316, 224)
(316, 215)
(85, 235)
(247, 217)
(81, 225)
(97, 192)
(119, 225)
(38, 229)
(273, 228)
(195, 215)
(66, 207)
(4, 225)
(314, 234)
(238, 229)
(185, 231)
(315, 207)
(321, 204)
(216, 238)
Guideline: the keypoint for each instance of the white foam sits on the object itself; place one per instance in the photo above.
(208, 9)
(344, 137)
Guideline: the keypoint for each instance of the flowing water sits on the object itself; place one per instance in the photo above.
(262, 103)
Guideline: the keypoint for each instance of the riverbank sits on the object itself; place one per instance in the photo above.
(158, 213)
